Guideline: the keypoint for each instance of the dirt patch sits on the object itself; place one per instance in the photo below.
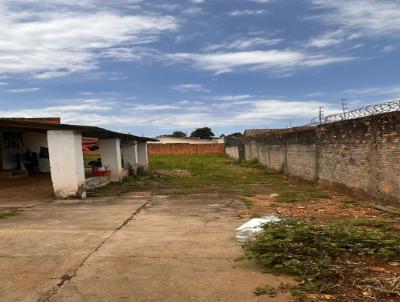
(326, 209)
(338, 206)
(259, 200)
(173, 173)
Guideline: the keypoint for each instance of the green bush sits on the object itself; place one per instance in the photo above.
(321, 257)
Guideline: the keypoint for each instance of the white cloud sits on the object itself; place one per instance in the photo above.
(389, 48)
(154, 107)
(272, 60)
(233, 97)
(190, 88)
(368, 17)
(192, 11)
(327, 39)
(23, 90)
(392, 91)
(187, 114)
(51, 42)
(247, 12)
(245, 43)
(125, 54)
(72, 111)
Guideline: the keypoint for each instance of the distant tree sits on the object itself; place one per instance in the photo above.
(236, 134)
(178, 134)
(203, 133)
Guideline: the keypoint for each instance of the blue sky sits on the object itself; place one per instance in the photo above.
(152, 67)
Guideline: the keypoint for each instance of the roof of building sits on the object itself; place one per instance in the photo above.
(254, 133)
(86, 131)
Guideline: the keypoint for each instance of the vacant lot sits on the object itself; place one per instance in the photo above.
(342, 249)
(169, 236)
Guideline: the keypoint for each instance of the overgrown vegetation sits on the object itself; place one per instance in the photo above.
(331, 259)
(7, 214)
(211, 172)
(220, 172)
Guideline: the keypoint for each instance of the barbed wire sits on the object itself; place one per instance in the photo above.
(357, 113)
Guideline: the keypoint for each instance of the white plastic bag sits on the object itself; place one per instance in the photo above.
(251, 228)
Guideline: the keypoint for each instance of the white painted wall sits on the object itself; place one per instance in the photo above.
(232, 152)
(110, 150)
(130, 156)
(143, 157)
(66, 163)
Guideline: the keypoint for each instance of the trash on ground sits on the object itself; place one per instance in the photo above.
(250, 229)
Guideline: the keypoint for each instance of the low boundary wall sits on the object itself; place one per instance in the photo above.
(232, 152)
(361, 155)
(186, 148)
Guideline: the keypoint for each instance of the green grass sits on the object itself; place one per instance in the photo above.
(218, 171)
(213, 173)
(207, 171)
(326, 259)
(7, 214)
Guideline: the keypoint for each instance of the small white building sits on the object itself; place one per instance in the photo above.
(29, 147)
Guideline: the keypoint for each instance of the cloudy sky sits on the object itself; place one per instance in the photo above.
(150, 67)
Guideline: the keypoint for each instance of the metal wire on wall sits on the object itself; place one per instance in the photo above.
(357, 113)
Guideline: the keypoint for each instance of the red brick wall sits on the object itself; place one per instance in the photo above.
(44, 120)
(362, 155)
(186, 148)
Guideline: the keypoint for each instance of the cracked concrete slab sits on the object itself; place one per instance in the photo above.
(174, 249)
(46, 242)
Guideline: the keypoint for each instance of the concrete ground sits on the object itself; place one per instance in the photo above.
(139, 247)
(25, 192)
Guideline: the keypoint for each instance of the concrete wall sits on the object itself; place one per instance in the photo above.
(186, 149)
(143, 155)
(66, 162)
(232, 152)
(361, 155)
(110, 150)
(130, 156)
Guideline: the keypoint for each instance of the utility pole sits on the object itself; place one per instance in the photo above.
(344, 104)
(321, 114)
(290, 124)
